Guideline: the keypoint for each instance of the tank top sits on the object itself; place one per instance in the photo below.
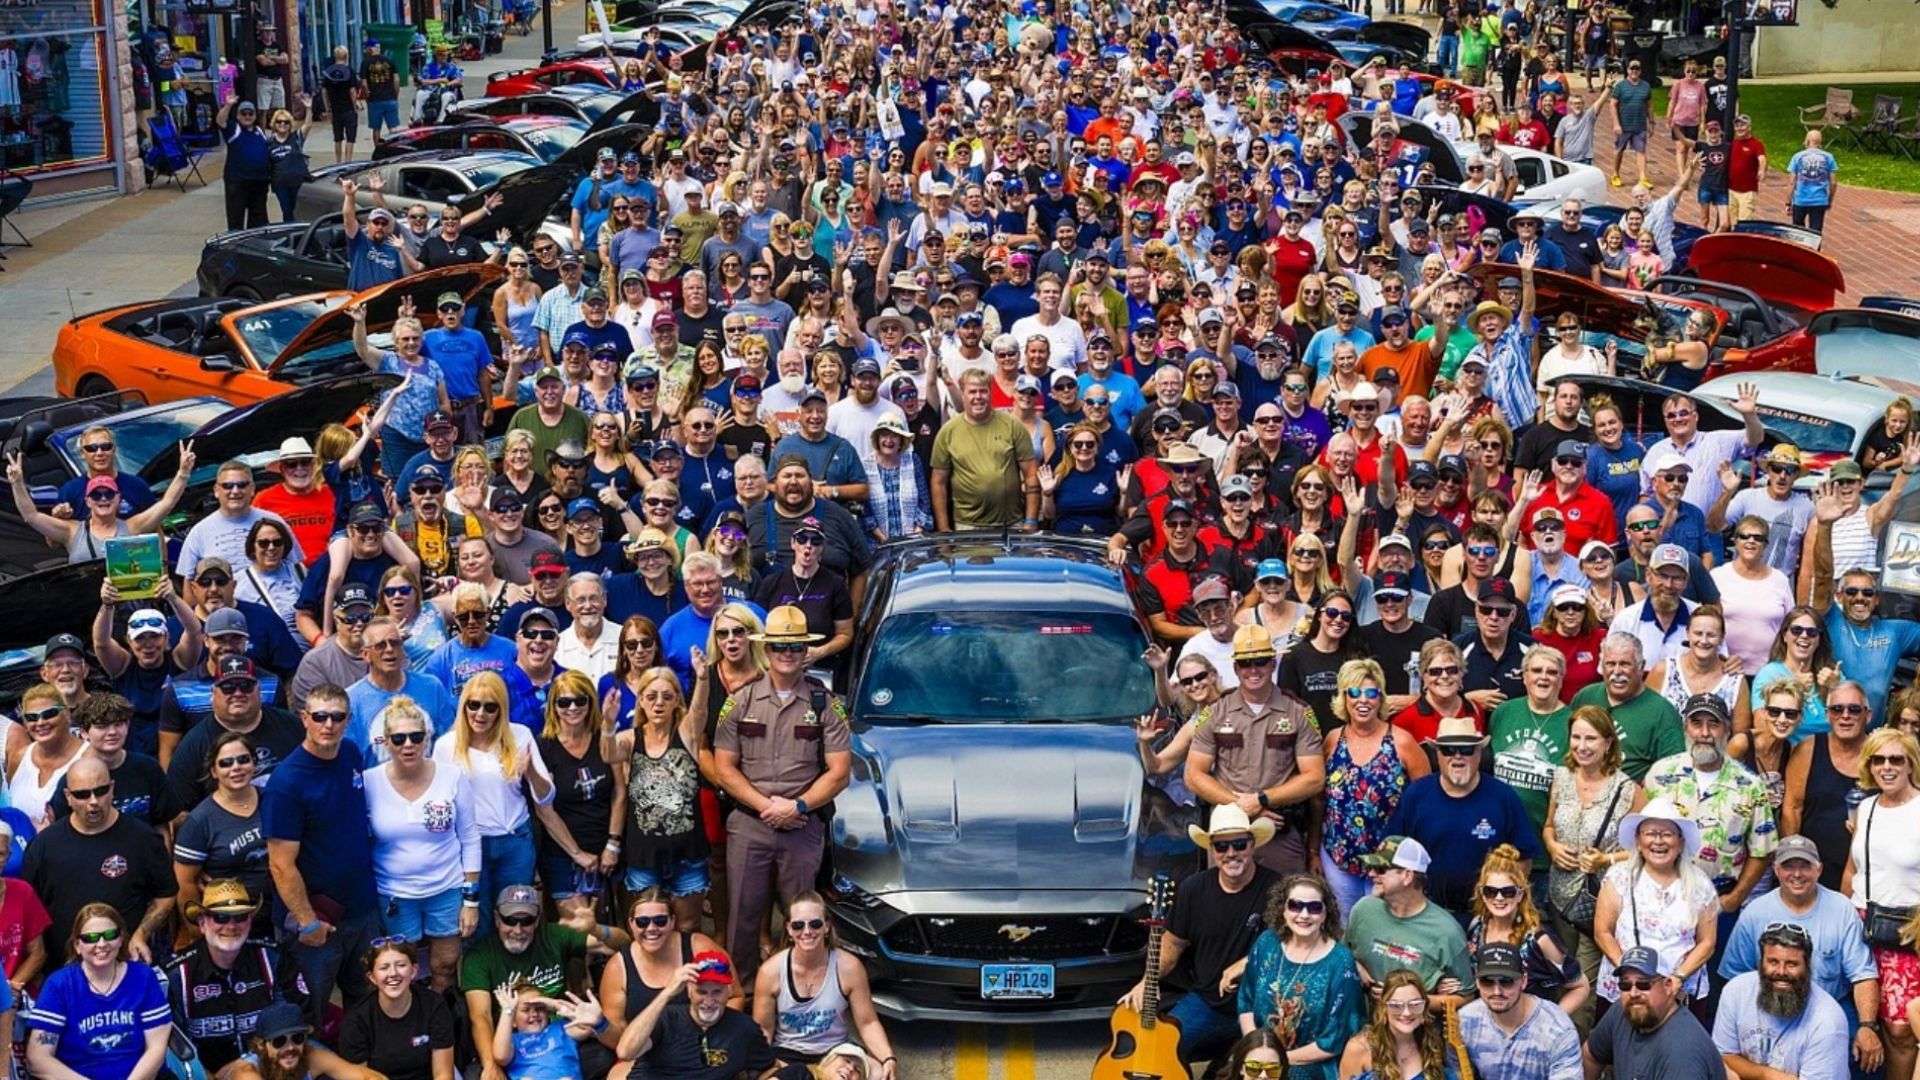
(1676, 692)
(28, 795)
(663, 806)
(1360, 798)
(83, 546)
(812, 1025)
(640, 993)
(520, 320)
(614, 402)
(1853, 543)
(1830, 799)
(619, 475)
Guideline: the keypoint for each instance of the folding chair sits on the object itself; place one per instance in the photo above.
(1880, 130)
(1837, 111)
(169, 155)
(14, 190)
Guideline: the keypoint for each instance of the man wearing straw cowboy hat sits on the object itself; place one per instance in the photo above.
(1146, 527)
(1460, 814)
(219, 986)
(782, 751)
(1787, 512)
(1259, 749)
(1506, 347)
(1216, 915)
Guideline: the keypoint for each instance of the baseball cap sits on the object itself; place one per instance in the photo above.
(281, 1018)
(1027, 384)
(1237, 484)
(583, 505)
(713, 967)
(1796, 847)
(543, 614)
(224, 621)
(67, 641)
(518, 899)
(1708, 703)
(1645, 960)
(1497, 590)
(1667, 460)
(1499, 958)
(235, 666)
(1271, 570)
(1452, 463)
(549, 372)
(866, 365)
(1394, 540)
(1844, 469)
(1668, 555)
(1212, 588)
(1178, 506)
(1570, 448)
(353, 594)
(1421, 470)
(1403, 852)
(1389, 583)
(546, 563)
(146, 622)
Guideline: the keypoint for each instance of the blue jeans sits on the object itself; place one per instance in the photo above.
(1205, 1032)
(1447, 57)
(504, 860)
(339, 961)
(395, 451)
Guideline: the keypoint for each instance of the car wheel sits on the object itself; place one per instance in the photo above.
(244, 292)
(91, 385)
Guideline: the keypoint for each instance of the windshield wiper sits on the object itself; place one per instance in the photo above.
(901, 718)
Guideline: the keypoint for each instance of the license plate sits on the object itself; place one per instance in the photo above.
(1014, 982)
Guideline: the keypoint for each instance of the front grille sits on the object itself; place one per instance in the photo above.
(991, 938)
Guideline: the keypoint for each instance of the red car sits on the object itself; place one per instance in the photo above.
(596, 73)
(1799, 287)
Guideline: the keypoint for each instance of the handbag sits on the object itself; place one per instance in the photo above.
(1579, 910)
(1885, 924)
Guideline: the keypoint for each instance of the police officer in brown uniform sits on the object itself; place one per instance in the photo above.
(782, 751)
(1259, 749)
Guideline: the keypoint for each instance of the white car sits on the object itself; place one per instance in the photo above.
(1545, 178)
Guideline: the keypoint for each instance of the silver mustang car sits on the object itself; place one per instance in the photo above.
(989, 858)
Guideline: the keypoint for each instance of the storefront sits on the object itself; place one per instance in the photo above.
(327, 23)
(64, 118)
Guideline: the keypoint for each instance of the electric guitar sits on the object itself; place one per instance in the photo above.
(1145, 1045)
(1463, 1064)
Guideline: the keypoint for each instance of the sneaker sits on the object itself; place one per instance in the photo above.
(1615, 181)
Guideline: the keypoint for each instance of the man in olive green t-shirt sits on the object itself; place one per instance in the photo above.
(1648, 724)
(983, 468)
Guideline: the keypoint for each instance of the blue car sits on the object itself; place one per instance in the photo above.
(1325, 20)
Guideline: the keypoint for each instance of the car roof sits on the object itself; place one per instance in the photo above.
(538, 120)
(457, 156)
(1845, 400)
(989, 571)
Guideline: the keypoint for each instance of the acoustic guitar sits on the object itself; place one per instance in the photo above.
(1146, 1045)
(1463, 1065)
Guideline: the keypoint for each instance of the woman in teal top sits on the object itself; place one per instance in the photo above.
(1301, 981)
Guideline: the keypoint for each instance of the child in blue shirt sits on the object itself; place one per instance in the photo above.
(530, 1046)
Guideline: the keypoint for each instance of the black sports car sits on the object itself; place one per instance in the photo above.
(600, 108)
(556, 140)
(288, 259)
(991, 851)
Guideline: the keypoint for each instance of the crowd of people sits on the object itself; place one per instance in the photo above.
(530, 759)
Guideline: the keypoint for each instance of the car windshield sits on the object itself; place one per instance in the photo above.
(1810, 433)
(1006, 667)
(268, 333)
(552, 140)
(482, 174)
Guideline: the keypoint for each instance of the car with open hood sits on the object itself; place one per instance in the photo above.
(599, 107)
(990, 855)
(596, 72)
(1629, 317)
(556, 140)
(1770, 288)
(236, 350)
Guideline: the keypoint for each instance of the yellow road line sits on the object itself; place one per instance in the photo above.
(970, 1053)
(1019, 1060)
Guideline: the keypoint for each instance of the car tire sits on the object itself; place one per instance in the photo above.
(91, 385)
(244, 292)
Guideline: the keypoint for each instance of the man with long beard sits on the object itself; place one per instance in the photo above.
(279, 1050)
(1774, 1023)
(1650, 1037)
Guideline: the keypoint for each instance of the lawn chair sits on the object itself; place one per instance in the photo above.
(1904, 139)
(1838, 111)
(1879, 131)
(169, 155)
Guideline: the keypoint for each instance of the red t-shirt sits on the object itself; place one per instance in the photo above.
(1587, 512)
(1423, 723)
(1532, 135)
(310, 516)
(1583, 658)
(1292, 260)
(1743, 164)
(22, 918)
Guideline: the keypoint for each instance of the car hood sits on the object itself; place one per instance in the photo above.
(531, 195)
(619, 137)
(995, 807)
(1447, 163)
(1641, 405)
(1408, 38)
(1616, 312)
(639, 107)
(1775, 270)
(383, 304)
(261, 426)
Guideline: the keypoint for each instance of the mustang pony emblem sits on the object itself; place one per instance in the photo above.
(1016, 933)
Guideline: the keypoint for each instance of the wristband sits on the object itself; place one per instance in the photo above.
(310, 927)
(470, 902)
(800, 806)
(600, 1025)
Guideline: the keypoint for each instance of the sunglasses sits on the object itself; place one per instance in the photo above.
(1304, 552)
(1494, 611)
(229, 918)
(1442, 671)
(729, 633)
(1195, 680)
(1804, 631)
(1500, 982)
(95, 937)
(636, 644)
(1363, 693)
(1637, 986)
(230, 762)
(1221, 847)
(540, 635)
(404, 738)
(1860, 590)
(1848, 710)
(787, 647)
(797, 925)
(519, 922)
(1334, 614)
(237, 686)
(1262, 1070)
(572, 701)
(97, 448)
(92, 793)
(328, 719)
(1457, 751)
(1878, 760)
(214, 580)
(1499, 892)
(809, 539)
(44, 714)
(103, 495)
(485, 708)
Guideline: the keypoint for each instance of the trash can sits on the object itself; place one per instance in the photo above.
(396, 39)
(1641, 45)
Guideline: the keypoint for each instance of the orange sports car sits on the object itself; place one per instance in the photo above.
(238, 351)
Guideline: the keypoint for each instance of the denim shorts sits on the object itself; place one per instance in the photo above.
(1710, 198)
(383, 114)
(689, 878)
(559, 875)
(427, 917)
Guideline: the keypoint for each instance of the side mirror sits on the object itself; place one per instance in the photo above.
(36, 436)
(219, 362)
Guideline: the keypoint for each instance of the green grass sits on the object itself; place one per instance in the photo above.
(1775, 109)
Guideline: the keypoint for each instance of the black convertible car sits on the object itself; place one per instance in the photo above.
(991, 851)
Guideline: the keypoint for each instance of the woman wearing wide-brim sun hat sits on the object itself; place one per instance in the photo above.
(1657, 897)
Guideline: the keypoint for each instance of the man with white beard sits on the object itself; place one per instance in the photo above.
(1774, 1024)
(1727, 799)
(683, 1035)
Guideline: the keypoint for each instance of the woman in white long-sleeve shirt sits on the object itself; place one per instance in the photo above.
(426, 843)
(502, 770)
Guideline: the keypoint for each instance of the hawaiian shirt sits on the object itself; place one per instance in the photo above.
(1730, 807)
(1510, 373)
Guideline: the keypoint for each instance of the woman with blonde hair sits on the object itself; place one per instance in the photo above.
(611, 459)
(515, 303)
(1402, 1041)
(1370, 762)
(814, 995)
(661, 837)
(472, 483)
(1883, 872)
(1312, 306)
(422, 628)
(580, 845)
(1504, 913)
(1307, 569)
(503, 770)
(659, 510)
(517, 467)
(287, 155)
(426, 841)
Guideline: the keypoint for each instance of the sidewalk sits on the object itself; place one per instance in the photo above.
(100, 253)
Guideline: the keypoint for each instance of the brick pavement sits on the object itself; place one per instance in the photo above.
(1874, 235)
